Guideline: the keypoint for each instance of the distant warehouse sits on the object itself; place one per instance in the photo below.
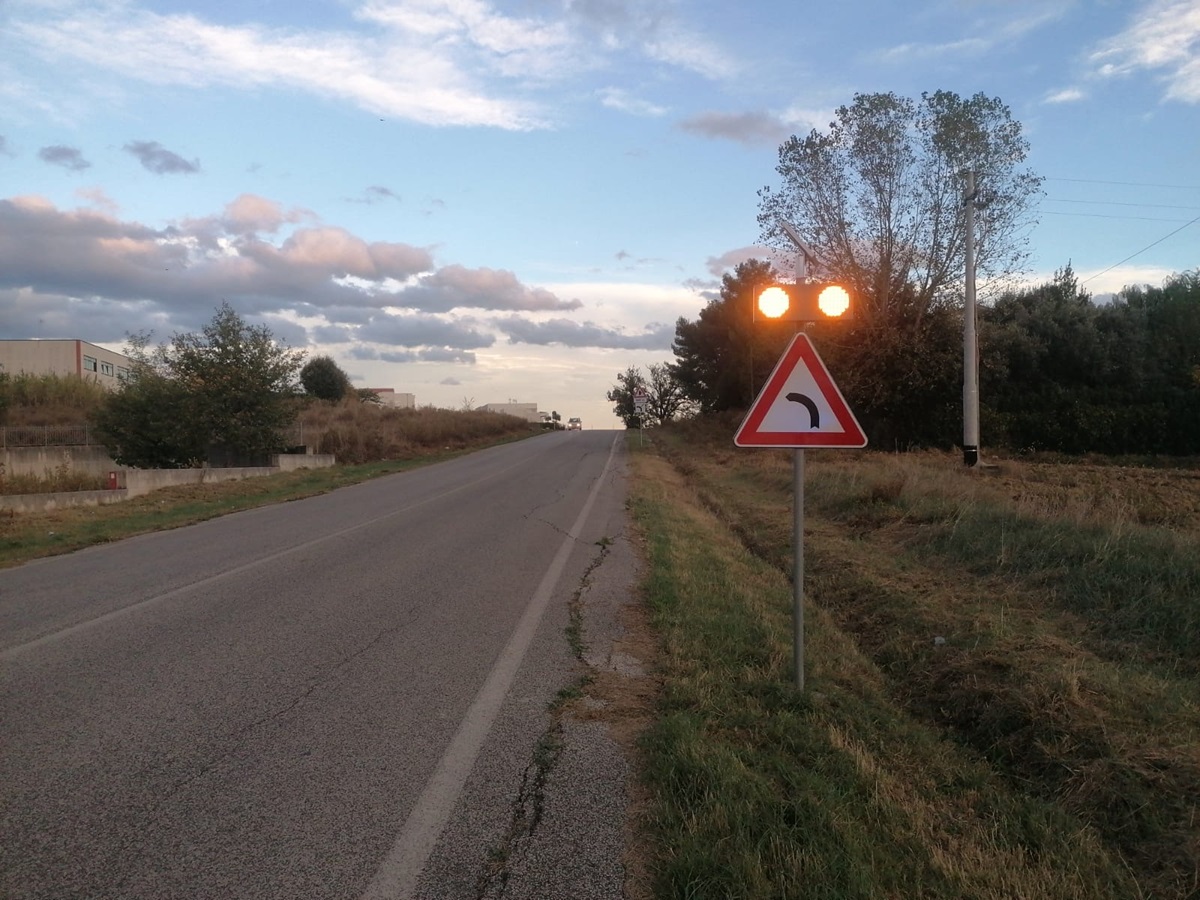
(527, 411)
(390, 397)
(88, 361)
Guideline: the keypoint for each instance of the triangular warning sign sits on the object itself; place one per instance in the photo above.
(800, 406)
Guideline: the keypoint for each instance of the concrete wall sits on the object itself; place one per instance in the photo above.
(136, 482)
(38, 461)
(45, 502)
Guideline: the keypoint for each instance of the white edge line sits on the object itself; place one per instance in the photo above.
(396, 878)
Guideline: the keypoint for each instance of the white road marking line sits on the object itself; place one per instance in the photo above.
(396, 878)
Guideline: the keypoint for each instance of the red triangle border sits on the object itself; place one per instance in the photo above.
(851, 435)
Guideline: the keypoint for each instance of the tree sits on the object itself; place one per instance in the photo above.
(148, 422)
(325, 379)
(665, 399)
(621, 395)
(226, 391)
(878, 199)
(724, 357)
(1062, 373)
(239, 379)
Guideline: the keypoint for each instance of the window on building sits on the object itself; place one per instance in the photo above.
(106, 368)
(89, 364)
(122, 372)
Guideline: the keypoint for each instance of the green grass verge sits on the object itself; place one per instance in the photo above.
(758, 791)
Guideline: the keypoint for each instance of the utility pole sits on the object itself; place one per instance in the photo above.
(970, 351)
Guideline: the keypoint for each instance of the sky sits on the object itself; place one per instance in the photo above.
(482, 201)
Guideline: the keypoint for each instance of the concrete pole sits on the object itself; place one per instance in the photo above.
(970, 351)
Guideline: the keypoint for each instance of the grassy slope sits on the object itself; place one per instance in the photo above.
(1002, 690)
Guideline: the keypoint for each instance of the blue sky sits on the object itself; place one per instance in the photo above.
(484, 201)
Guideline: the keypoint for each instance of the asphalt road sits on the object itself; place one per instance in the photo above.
(345, 696)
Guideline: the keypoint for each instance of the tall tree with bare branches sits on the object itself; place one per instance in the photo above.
(878, 198)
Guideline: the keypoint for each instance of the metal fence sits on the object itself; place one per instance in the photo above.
(49, 436)
(86, 436)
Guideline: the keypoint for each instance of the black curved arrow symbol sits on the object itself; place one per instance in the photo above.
(809, 405)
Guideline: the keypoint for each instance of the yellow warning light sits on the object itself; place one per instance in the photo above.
(774, 302)
(805, 301)
(834, 300)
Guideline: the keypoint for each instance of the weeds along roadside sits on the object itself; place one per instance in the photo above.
(992, 610)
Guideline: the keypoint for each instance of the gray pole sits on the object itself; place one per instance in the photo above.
(798, 567)
(970, 355)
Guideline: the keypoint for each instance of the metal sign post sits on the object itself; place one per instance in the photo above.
(799, 407)
(798, 567)
(641, 397)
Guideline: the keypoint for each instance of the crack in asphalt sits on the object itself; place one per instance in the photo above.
(528, 806)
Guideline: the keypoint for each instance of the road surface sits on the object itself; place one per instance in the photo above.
(345, 696)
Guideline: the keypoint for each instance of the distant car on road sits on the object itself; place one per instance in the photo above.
(574, 424)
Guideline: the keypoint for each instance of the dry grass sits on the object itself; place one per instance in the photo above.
(365, 432)
(47, 399)
(1040, 615)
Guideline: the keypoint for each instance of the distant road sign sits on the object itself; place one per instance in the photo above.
(800, 406)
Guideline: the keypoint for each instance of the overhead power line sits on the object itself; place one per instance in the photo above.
(1118, 203)
(1140, 252)
(1178, 187)
(1056, 212)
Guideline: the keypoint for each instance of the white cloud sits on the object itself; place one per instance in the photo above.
(908, 54)
(1066, 95)
(622, 101)
(693, 52)
(397, 75)
(435, 62)
(1164, 37)
(797, 118)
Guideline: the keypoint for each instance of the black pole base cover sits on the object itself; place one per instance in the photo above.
(970, 455)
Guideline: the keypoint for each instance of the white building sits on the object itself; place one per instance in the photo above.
(389, 397)
(527, 411)
(72, 357)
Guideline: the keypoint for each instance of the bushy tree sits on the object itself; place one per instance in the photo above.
(723, 358)
(324, 379)
(227, 391)
(621, 395)
(665, 399)
(1060, 372)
